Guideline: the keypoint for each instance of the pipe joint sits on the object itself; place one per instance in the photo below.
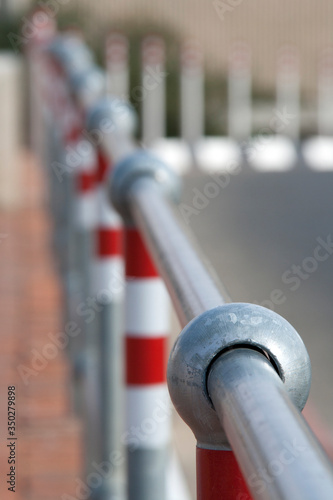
(141, 165)
(216, 331)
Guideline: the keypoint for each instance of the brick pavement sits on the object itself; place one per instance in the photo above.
(49, 445)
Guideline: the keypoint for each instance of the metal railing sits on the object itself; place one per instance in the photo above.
(238, 374)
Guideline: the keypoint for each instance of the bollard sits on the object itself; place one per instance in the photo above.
(43, 34)
(142, 481)
(288, 91)
(192, 93)
(110, 119)
(318, 150)
(117, 64)
(239, 92)
(11, 73)
(153, 89)
(109, 294)
(325, 93)
(86, 83)
(147, 328)
(278, 151)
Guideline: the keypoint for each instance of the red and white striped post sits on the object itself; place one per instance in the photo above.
(239, 92)
(288, 90)
(117, 64)
(152, 92)
(318, 150)
(85, 214)
(148, 407)
(111, 124)
(192, 92)
(325, 93)
(43, 31)
(109, 295)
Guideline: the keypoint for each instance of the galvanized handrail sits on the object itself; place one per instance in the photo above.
(114, 121)
(279, 456)
(238, 373)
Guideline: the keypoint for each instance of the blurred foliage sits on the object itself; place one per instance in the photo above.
(9, 26)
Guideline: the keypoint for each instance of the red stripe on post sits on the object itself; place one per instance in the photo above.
(138, 261)
(146, 360)
(86, 182)
(109, 242)
(219, 476)
(74, 134)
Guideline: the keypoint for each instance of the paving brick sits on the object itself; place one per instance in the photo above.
(43, 400)
(49, 446)
(52, 487)
(52, 447)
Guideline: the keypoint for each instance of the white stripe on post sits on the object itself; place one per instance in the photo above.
(144, 295)
(152, 92)
(192, 93)
(149, 413)
(117, 68)
(109, 261)
(318, 151)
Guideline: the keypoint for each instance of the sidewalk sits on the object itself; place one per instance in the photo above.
(48, 447)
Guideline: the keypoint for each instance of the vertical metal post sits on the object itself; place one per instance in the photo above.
(111, 123)
(192, 93)
(109, 294)
(239, 92)
(88, 396)
(45, 30)
(153, 89)
(148, 411)
(117, 69)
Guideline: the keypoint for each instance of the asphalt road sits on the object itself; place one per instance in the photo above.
(269, 236)
(261, 232)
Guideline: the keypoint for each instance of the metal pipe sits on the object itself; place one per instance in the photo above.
(108, 278)
(192, 287)
(277, 452)
(250, 401)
